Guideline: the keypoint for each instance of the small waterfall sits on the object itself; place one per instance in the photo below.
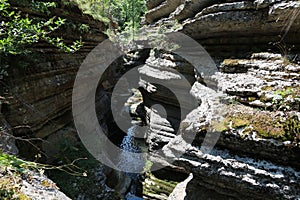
(131, 163)
(126, 160)
(128, 141)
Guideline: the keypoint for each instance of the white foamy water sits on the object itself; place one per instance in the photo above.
(131, 159)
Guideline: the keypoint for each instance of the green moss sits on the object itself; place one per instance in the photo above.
(219, 126)
(238, 122)
(148, 166)
(267, 88)
(231, 121)
(292, 128)
(281, 95)
(263, 98)
(285, 92)
(11, 176)
(251, 99)
(266, 125)
(230, 62)
(153, 185)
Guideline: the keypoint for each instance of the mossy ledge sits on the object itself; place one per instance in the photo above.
(155, 188)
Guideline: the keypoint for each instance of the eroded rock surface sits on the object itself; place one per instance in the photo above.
(231, 156)
(233, 27)
(39, 88)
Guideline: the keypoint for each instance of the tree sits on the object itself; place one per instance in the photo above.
(127, 13)
(18, 32)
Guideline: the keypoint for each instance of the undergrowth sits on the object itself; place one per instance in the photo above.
(13, 170)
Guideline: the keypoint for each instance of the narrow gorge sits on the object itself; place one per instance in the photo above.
(218, 121)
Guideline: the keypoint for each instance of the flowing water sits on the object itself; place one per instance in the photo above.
(128, 161)
(131, 158)
(128, 143)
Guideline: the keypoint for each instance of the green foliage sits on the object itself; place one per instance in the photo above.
(10, 161)
(98, 9)
(285, 92)
(18, 31)
(37, 6)
(84, 28)
(127, 13)
(7, 194)
(13, 163)
(283, 98)
(11, 170)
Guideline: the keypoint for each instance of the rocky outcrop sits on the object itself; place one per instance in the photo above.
(7, 141)
(251, 113)
(36, 186)
(159, 80)
(231, 176)
(225, 142)
(28, 185)
(266, 81)
(39, 86)
(227, 28)
(36, 103)
(162, 10)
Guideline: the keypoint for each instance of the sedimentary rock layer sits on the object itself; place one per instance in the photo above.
(234, 27)
(40, 84)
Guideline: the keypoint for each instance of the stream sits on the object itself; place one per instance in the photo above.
(129, 144)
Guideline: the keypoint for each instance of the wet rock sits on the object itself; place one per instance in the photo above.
(118, 181)
(130, 196)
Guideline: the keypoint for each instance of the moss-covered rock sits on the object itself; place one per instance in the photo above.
(155, 188)
(276, 125)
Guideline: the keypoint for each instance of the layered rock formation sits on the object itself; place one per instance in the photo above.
(244, 105)
(29, 185)
(36, 101)
(233, 27)
(243, 163)
(39, 86)
(242, 141)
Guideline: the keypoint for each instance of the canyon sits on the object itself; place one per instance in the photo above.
(234, 135)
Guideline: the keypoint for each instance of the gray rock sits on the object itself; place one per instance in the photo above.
(39, 187)
(233, 27)
(7, 140)
(238, 166)
(179, 192)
